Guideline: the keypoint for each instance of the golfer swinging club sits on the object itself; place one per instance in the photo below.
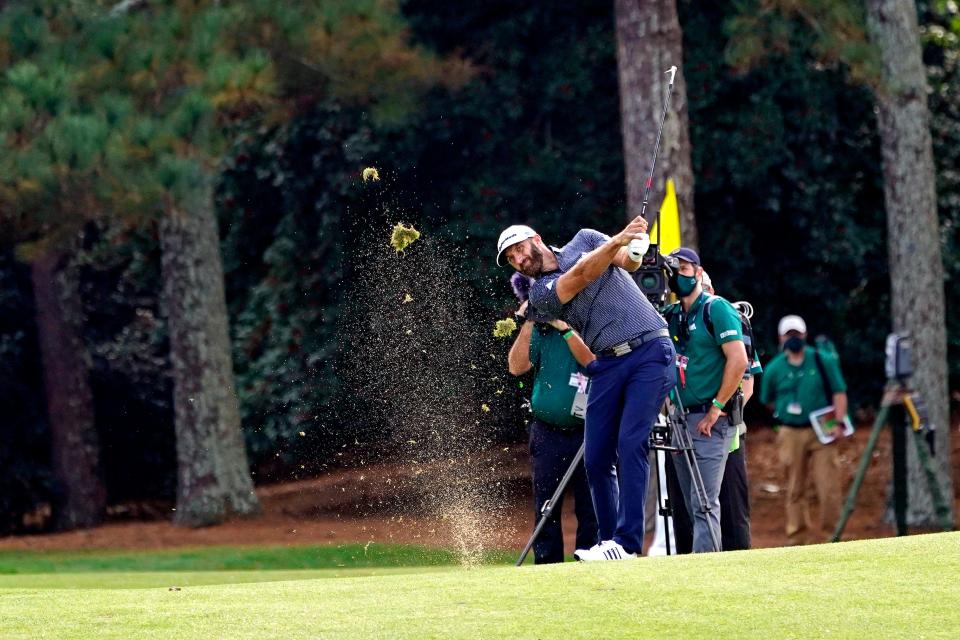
(586, 285)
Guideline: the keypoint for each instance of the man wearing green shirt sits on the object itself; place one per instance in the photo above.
(735, 490)
(796, 382)
(556, 354)
(710, 365)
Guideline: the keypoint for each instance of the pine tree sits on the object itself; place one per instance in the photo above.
(916, 264)
(649, 41)
(44, 156)
(880, 49)
(153, 93)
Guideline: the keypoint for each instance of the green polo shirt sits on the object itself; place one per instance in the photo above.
(699, 353)
(553, 366)
(796, 390)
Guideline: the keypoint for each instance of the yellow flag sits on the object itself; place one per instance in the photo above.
(669, 221)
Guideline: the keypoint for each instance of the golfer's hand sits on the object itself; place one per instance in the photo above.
(706, 424)
(522, 311)
(559, 324)
(632, 231)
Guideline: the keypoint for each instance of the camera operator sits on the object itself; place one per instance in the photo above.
(553, 350)
(586, 284)
(710, 367)
(734, 490)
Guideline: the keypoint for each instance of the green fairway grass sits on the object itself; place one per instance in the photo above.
(349, 556)
(901, 587)
(219, 565)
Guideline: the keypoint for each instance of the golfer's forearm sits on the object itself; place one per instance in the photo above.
(593, 264)
(518, 360)
(581, 352)
(588, 269)
(624, 261)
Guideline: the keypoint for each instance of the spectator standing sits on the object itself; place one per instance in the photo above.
(796, 382)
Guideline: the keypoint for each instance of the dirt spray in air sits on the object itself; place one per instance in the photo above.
(420, 358)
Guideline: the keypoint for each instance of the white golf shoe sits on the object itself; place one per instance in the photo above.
(604, 550)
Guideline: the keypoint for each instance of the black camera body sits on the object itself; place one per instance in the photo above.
(653, 276)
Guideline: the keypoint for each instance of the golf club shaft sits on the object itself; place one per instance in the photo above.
(635, 245)
(656, 149)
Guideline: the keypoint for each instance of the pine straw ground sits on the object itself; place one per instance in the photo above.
(357, 505)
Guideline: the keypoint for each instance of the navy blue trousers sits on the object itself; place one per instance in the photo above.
(551, 453)
(626, 394)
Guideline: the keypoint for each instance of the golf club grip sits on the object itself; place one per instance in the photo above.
(637, 248)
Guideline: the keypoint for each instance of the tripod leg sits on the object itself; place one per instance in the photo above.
(939, 502)
(851, 500)
(899, 455)
(664, 508)
(548, 507)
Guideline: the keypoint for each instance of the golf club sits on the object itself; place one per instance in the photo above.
(638, 247)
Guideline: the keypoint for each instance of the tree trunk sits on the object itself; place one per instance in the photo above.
(649, 41)
(916, 268)
(66, 376)
(213, 476)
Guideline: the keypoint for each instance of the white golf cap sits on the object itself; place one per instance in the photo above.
(511, 236)
(791, 323)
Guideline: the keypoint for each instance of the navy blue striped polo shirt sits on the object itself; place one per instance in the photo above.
(608, 311)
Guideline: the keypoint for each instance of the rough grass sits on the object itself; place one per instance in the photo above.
(903, 587)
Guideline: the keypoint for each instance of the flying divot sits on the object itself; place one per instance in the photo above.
(402, 237)
(504, 328)
(407, 298)
(371, 173)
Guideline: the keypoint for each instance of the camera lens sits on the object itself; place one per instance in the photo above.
(649, 281)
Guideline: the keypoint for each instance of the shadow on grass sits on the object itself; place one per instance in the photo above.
(260, 558)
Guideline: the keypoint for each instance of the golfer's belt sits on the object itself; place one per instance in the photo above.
(624, 348)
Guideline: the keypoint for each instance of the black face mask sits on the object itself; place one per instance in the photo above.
(794, 344)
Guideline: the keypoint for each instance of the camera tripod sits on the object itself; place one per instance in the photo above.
(671, 424)
(902, 408)
(670, 435)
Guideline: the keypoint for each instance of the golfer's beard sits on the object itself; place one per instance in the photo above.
(534, 267)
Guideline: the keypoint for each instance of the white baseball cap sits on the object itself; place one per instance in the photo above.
(511, 236)
(791, 323)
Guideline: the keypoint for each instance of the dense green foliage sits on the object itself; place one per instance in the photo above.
(475, 159)
(940, 30)
(788, 194)
(123, 116)
(127, 343)
(284, 205)
(25, 479)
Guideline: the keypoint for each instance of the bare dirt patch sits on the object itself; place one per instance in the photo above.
(378, 503)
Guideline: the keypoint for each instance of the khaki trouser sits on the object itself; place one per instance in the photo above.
(799, 452)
